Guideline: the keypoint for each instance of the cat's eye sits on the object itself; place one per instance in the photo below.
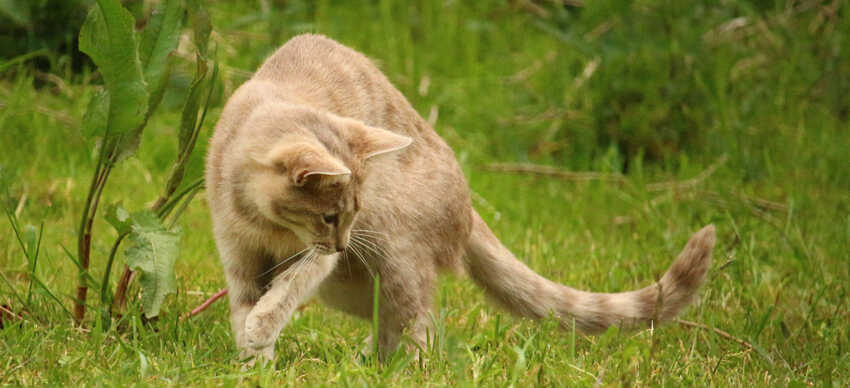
(331, 219)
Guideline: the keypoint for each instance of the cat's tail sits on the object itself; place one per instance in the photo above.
(522, 291)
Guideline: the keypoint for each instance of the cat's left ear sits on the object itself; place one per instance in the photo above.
(367, 141)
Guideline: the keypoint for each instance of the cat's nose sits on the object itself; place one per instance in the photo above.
(341, 242)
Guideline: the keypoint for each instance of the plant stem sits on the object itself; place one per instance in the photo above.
(120, 298)
(104, 287)
(101, 174)
(169, 203)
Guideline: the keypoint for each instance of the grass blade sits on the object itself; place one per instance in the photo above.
(376, 300)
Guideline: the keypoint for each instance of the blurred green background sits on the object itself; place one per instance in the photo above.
(742, 105)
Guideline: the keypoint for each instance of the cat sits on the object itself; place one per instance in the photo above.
(320, 175)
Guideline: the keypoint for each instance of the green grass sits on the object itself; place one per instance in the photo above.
(668, 89)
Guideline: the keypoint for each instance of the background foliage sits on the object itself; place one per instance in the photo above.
(658, 91)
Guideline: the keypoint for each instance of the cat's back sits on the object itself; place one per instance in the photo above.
(316, 57)
(327, 75)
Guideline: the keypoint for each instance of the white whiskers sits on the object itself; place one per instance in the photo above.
(374, 243)
(355, 247)
(284, 261)
(305, 262)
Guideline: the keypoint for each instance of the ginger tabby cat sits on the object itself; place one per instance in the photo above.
(320, 174)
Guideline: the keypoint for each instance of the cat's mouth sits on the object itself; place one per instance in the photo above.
(327, 248)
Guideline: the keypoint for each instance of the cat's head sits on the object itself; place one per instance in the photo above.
(304, 171)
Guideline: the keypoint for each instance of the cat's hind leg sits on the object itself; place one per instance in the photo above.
(406, 307)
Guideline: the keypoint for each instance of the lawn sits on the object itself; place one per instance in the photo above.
(670, 116)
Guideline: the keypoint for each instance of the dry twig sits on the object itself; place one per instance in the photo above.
(203, 306)
(536, 169)
(6, 314)
(716, 331)
(688, 183)
(54, 114)
(525, 168)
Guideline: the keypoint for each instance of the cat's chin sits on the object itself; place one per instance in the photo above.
(323, 249)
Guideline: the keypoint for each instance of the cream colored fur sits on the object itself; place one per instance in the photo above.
(320, 174)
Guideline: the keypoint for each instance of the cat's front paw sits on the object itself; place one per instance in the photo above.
(251, 356)
(259, 331)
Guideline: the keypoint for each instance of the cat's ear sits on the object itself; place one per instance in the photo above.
(300, 161)
(367, 141)
(315, 164)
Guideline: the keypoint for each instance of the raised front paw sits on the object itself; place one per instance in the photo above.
(260, 331)
(252, 356)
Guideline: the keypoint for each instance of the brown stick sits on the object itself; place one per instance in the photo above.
(536, 169)
(525, 168)
(534, 8)
(56, 115)
(7, 313)
(716, 331)
(203, 306)
(750, 200)
(688, 183)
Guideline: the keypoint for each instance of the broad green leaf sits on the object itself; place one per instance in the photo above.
(201, 35)
(193, 165)
(201, 26)
(109, 38)
(159, 40)
(191, 124)
(119, 218)
(94, 121)
(191, 106)
(152, 254)
(188, 128)
(127, 143)
(122, 145)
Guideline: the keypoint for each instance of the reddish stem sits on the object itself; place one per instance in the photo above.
(84, 245)
(203, 306)
(121, 290)
(82, 288)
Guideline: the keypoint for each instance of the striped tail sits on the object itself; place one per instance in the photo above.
(523, 292)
